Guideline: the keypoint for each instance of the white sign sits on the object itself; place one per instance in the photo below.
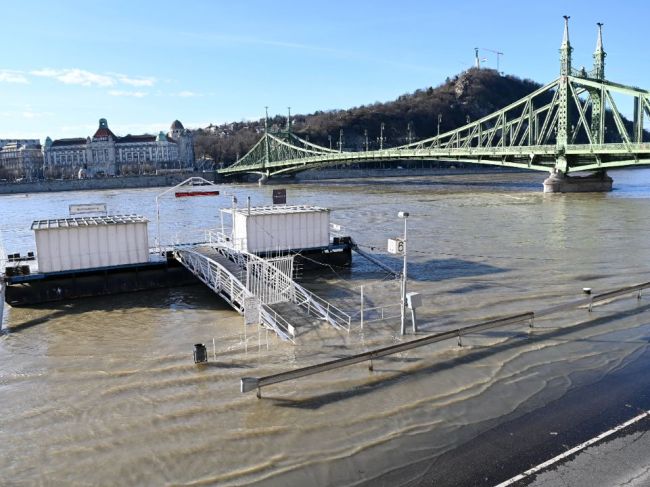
(252, 311)
(336, 227)
(395, 246)
(413, 300)
(88, 208)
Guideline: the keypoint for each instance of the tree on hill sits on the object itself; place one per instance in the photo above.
(469, 95)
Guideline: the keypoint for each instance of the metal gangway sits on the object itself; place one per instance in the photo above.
(221, 275)
(246, 281)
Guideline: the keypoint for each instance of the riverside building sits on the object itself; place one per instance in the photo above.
(106, 154)
(20, 159)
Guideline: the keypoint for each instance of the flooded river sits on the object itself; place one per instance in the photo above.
(103, 391)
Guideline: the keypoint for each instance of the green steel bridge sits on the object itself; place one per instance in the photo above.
(559, 128)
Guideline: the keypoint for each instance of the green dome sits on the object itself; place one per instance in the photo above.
(161, 137)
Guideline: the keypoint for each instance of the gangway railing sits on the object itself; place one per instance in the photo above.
(256, 383)
(284, 284)
(231, 289)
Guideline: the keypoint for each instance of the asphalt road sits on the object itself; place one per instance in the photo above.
(620, 461)
(583, 413)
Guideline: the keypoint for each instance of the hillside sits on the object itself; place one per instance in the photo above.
(473, 93)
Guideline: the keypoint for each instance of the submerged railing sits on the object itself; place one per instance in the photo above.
(232, 290)
(256, 383)
(283, 284)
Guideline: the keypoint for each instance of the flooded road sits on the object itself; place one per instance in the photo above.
(103, 390)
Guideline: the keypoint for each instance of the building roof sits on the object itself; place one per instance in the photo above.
(87, 221)
(277, 210)
(136, 138)
(74, 141)
(103, 131)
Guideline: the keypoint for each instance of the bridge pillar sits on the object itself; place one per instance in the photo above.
(262, 180)
(559, 182)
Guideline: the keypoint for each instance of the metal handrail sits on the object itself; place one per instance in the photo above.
(251, 383)
(382, 316)
(293, 291)
(226, 285)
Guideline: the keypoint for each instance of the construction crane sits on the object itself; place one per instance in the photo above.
(498, 53)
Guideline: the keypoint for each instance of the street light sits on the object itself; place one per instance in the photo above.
(404, 215)
(381, 136)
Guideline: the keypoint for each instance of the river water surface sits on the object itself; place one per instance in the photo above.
(103, 391)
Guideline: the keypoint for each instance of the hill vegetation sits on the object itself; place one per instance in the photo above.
(469, 95)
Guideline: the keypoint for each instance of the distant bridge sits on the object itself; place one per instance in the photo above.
(559, 128)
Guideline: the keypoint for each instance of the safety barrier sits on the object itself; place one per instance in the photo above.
(256, 383)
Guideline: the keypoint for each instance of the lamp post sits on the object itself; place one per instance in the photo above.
(404, 215)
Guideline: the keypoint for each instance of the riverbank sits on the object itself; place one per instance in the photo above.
(426, 169)
(126, 182)
(155, 181)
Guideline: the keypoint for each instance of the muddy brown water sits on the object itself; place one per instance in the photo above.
(103, 391)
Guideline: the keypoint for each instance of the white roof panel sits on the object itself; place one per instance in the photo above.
(86, 221)
(277, 210)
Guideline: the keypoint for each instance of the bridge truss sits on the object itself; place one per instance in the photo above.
(571, 124)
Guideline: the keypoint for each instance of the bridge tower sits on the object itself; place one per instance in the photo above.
(597, 112)
(562, 138)
(267, 148)
(289, 122)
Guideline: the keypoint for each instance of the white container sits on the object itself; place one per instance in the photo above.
(90, 242)
(280, 228)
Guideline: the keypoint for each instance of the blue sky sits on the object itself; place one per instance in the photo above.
(142, 64)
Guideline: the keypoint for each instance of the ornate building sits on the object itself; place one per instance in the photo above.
(105, 154)
(20, 159)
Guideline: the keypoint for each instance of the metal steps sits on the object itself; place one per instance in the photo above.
(241, 278)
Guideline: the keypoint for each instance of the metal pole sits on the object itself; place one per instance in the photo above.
(2, 299)
(233, 234)
(361, 308)
(413, 320)
(158, 224)
(403, 326)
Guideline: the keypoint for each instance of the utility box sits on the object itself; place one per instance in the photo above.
(280, 228)
(395, 246)
(90, 242)
(413, 300)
